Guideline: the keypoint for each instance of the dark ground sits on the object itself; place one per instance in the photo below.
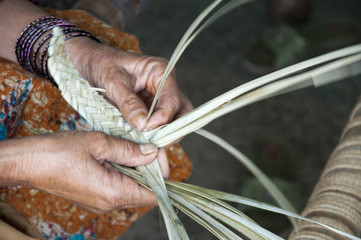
(302, 127)
(290, 137)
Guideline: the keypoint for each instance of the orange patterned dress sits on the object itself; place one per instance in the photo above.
(28, 101)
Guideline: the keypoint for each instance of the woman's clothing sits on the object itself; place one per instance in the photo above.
(29, 102)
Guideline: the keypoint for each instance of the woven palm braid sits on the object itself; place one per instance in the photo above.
(104, 117)
(85, 99)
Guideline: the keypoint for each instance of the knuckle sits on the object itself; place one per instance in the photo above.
(117, 81)
(131, 100)
(176, 102)
(158, 61)
(164, 112)
(157, 64)
(110, 198)
(100, 138)
(127, 151)
(162, 62)
(115, 200)
(99, 144)
(168, 111)
(112, 201)
(130, 103)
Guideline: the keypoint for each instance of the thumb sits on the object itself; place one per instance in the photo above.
(129, 103)
(133, 109)
(125, 152)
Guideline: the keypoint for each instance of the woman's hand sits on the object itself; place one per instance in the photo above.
(75, 165)
(131, 81)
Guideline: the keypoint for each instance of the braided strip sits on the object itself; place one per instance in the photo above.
(106, 118)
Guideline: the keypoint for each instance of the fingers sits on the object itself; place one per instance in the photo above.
(133, 109)
(140, 196)
(125, 192)
(168, 105)
(117, 191)
(132, 81)
(121, 151)
(186, 106)
(80, 170)
(171, 105)
(136, 195)
(171, 101)
(106, 148)
(120, 91)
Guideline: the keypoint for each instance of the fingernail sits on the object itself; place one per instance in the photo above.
(150, 125)
(147, 149)
(140, 121)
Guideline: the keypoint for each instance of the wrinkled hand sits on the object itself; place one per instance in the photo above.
(131, 81)
(75, 165)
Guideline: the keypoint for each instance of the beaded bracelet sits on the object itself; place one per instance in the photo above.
(33, 38)
(44, 56)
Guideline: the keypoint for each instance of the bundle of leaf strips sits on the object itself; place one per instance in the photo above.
(200, 204)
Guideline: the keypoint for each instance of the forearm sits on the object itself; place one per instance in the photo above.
(14, 160)
(16, 14)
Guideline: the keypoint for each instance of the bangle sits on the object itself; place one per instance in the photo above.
(33, 38)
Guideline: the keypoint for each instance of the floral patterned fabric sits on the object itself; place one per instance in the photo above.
(27, 102)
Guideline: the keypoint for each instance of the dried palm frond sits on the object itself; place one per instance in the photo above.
(205, 206)
(192, 32)
(218, 196)
(105, 117)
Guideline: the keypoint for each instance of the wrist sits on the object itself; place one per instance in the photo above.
(87, 56)
(79, 50)
(33, 42)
